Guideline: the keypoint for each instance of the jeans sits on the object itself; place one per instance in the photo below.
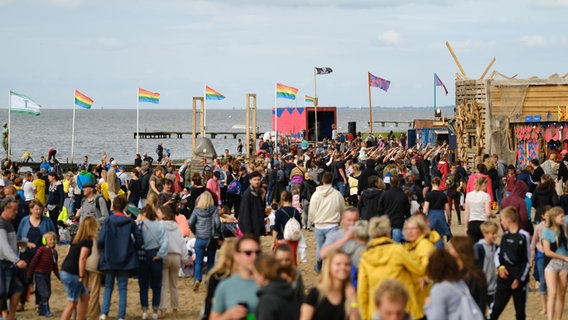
(397, 235)
(122, 282)
(150, 275)
(539, 266)
(43, 287)
(339, 186)
(321, 236)
(499, 195)
(201, 246)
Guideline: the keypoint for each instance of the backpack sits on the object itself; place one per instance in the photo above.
(234, 188)
(468, 309)
(292, 229)
(98, 205)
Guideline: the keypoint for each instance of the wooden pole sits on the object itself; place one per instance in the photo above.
(487, 69)
(370, 104)
(194, 124)
(247, 127)
(456, 59)
(202, 116)
(253, 96)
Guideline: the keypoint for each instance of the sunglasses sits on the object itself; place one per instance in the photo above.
(250, 252)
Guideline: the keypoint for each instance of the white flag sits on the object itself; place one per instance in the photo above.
(22, 104)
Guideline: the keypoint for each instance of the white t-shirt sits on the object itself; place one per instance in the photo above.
(476, 201)
(29, 190)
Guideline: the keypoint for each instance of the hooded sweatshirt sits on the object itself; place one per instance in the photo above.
(485, 260)
(119, 240)
(176, 244)
(277, 302)
(326, 206)
(365, 174)
(205, 223)
(385, 259)
(369, 203)
(517, 200)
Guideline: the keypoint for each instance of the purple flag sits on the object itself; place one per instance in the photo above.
(439, 83)
(379, 82)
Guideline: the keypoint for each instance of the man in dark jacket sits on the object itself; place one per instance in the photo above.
(368, 172)
(369, 201)
(119, 241)
(145, 178)
(394, 204)
(307, 190)
(251, 217)
(538, 172)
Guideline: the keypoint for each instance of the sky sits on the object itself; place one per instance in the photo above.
(109, 48)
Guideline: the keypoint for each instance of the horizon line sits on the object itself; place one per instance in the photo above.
(243, 108)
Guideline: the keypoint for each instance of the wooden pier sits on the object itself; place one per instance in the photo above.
(179, 134)
(396, 123)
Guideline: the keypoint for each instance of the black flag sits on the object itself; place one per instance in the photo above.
(324, 70)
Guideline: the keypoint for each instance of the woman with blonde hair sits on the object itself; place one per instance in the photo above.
(353, 182)
(224, 268)
(177, 254)
(333, 298)
(555, 249)
(386, 259)
(417, 235)
(73, 269)
(206, 226)
(477, 209)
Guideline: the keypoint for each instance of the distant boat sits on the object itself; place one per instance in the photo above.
(242, 127)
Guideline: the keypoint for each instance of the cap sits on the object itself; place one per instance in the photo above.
(89, 185)
(122, 168)
(113, 163)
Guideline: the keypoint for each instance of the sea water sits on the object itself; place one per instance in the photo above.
(112, 130)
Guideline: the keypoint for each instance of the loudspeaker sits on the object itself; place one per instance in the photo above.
(352, 128)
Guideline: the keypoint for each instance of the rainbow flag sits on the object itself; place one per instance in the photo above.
(148, 96)
(211, 94)
(285, 92)
(310, 99)
(82, 100)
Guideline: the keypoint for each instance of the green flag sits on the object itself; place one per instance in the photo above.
(23, 104)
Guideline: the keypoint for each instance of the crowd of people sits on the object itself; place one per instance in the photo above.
(380, 212)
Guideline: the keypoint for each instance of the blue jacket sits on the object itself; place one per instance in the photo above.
(119, 241)
(45, 165)
(45, 225)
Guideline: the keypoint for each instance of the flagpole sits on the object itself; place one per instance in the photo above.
(9, 124)
(137, 119)
(370, 104)
(205, 110)
(73, 131)
(315, 106)
(276, 115)
(434, 95)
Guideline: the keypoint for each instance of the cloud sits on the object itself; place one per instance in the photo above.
(544, 41)
(109, 43)
(552, 3)
(5, 2)
(391, 38)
